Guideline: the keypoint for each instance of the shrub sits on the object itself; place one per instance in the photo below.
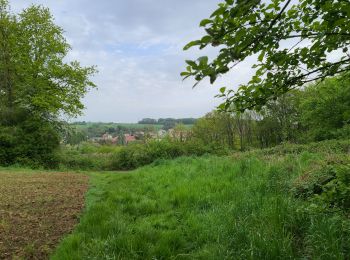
(328, 187)
(32, 143)
(7, 144)
(89, 156)
(328, 147)
(312, 182)
(136, 155)
(73, 158)
(336, 193)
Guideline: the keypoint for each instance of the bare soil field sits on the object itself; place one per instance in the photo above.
(37, 210)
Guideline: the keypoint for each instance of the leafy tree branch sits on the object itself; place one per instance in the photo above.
(269, 30)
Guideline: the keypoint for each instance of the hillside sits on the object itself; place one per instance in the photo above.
(256, 167)
(282, 203)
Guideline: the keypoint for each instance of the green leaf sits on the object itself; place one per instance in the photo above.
(222, 106)
(203, 60)
(206, 39)
(218, 12)
(191, 63)
(223, 69)
(205, 22)
(191, 44)
(212, 78)
(222, 90)
(261, 56)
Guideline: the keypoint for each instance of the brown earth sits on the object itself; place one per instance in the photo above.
(37, 210)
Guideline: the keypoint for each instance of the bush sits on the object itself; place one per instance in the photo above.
(328, 187)
(343, 133)
(90, 156)
(324, 147)
(32, 142)
(136, 155)
(7, 144)
(77, 158)
(336, 192)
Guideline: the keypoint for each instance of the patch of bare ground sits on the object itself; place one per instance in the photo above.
(37, 210)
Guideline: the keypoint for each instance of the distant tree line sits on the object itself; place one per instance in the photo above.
(168, 123)
(162, 121)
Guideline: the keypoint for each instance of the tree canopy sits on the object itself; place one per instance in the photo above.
(37, 84)
(34, 75)
(295, 42)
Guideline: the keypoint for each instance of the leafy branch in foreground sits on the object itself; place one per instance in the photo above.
(294, 44)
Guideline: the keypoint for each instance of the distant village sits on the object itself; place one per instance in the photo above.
(124, 134)
(125, 139)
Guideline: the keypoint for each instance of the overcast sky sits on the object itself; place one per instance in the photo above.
(137, 47)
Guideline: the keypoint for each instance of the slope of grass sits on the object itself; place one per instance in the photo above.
(207, 208)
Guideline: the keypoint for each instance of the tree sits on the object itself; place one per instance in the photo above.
(217, 129)
(148, 121)
(34, 74)
(244, 126)
(180, 132)
(37, 86)
(168, 124)
(280, 120)
(325, 109)
(294, 44)
(74, 136)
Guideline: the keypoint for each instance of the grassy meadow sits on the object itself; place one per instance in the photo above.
(254, 205)
(263, 175)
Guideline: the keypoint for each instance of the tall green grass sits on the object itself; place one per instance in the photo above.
(207, 208)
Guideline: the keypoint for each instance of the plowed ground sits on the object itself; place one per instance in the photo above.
(37, 210)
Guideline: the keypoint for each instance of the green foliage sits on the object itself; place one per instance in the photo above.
(207, 208)
(215, 129)
(328, 188)
(168, 123)
(75, 160)
(31, 142)
(280, 120)
(292, 40)
(34, 75)
(325, 109)
(98, 129)
(324, 147)
(136, 155)
(37, 86)
(74, 137)
(88, 156)
(317, 112)
(336, 193)
(227, 130)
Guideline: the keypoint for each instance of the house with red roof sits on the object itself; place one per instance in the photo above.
(129, 138)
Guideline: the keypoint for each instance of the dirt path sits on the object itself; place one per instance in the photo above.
(36, 210)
